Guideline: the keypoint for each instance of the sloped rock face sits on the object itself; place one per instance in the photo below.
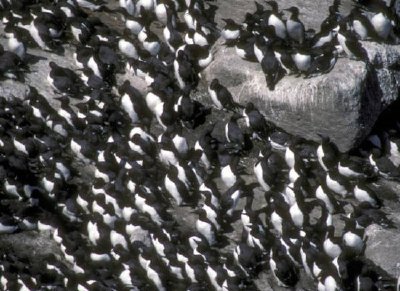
(382, 244)
(343, 104)
(382, 250)
(37, 75)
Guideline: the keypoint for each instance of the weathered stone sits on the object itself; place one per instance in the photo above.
(383, 249)
(37, 74)
(31, 244)
(382, 244)
(262, 282)
(343, 104)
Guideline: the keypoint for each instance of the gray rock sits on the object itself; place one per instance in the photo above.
(262, 282)
(383, 249)
(32, 244)
(343, 104)
(38, 72)
(382, 244)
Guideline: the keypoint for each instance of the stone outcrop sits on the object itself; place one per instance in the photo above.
(37, 75)
(382, 244)
(382, 248)
(343, 104)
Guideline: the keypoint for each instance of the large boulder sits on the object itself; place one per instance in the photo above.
(343, 104)
(382, 248)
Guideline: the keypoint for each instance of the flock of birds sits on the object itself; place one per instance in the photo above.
(115, 228)
(285, 46)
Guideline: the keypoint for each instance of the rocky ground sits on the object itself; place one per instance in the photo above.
(382, 245)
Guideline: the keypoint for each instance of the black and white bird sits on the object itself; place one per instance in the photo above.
(337, 183)
(283, 269)
(350, 44)
(275, 20)
(244, 46)
(355, 167)
(294, 27)
(270, 169)
(327, 153)
(128, 5)
(332, 244)
(206, 227)
(220, 96)
(133, 103)
(176, 187)
(364, 193)
(353, 237)
(323, 62)
(11, 65)
(15, 43)
(256, 121)
(361, 25)
(8, 224)
(302, 59)
(64, 80)
(192, 112)
(230, 198)
(271, 67)
(184, 71)
(233, 133)
(381, 21)
(171, 35)
(365, 214)
(326, 195)
(231, 31)
(127, 46)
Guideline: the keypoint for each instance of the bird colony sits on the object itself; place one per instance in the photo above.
(103, 168)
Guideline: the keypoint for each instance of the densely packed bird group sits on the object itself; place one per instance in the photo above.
(285, 46)
(114, 223)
